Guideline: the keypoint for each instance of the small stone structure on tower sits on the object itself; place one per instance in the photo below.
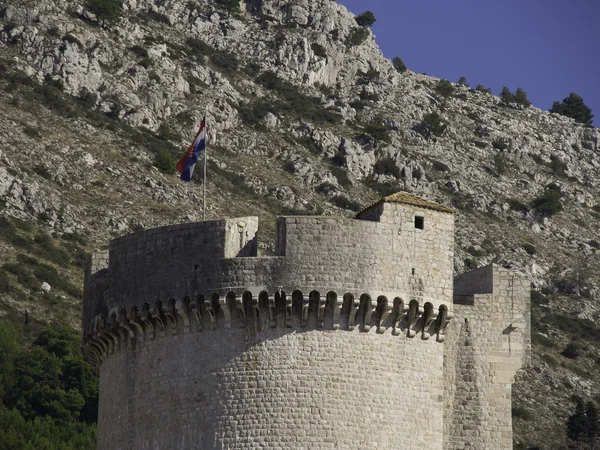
(355, 335)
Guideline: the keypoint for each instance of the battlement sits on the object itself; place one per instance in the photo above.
(205, 265)
(262, 314)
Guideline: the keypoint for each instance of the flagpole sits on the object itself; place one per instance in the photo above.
(205, 159)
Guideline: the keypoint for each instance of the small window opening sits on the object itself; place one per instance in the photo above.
(420, 222)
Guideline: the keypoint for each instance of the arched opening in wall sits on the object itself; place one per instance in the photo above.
(382, 314)
(200, 314)
(184, 314)
(250, 313)
(237, 319)
(148, 323)
(412, 318)
(428, 320)
(158, 317)
(364, 306)
(265, 312)
(399, 315)
(314, 303)
(440, 323)
(280, 306)
(297, 309)
(171, 316)
(217, 311)
(330, 306)
(347, 307)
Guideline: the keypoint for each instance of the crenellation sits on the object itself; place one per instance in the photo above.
(203, 343)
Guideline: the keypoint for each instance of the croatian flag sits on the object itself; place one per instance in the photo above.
(186, 165)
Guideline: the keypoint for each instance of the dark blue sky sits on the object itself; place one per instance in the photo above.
(548, 47)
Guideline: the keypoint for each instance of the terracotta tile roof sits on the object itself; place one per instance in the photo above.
(411, 199)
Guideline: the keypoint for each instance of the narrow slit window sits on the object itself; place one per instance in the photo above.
(420, 222)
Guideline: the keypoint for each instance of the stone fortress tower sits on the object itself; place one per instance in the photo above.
(354, 336)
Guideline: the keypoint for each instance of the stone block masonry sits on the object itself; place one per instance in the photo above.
(351, 336)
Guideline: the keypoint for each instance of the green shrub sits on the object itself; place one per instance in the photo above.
(357, 36)
(474, 252)
(369, 76)
(139, 50)
(55, 83)
(549, 202)
(292, 101)
(252, 113)
(538, 298)
(319, 50)
(145, 63)
(24, 276)
(471, 263)
(231, 6)
(105, 10)
(529, 248)
(366, 19)
(431, 125)
(557, 166)
(382, 189)
(5, 285)
(378, 131)
(339, 159)
(523, 413)
(462, 81)
(341, 175)
(444, 88)
(500, 144)
(573, 107)
(344, 203)
(501, 163)
(31, 131)
(164, 161)
(87, 98)
(573, 350)
(399, 65)
(482, 88)
(324, 188)
(387, 166)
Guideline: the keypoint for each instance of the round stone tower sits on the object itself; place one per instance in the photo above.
(335, 342)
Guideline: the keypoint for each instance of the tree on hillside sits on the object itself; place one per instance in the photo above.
(507, 96)
(573, 106)
(105, 10)
(582, 426)
(399, 64)
(521, 98)
(366, 19)
(48, 393)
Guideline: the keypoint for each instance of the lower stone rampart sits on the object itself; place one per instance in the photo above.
(281, 389)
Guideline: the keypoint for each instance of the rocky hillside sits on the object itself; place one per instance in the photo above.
(305, 116)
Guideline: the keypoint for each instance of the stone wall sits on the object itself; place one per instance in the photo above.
(489, 340)
(228, 389)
